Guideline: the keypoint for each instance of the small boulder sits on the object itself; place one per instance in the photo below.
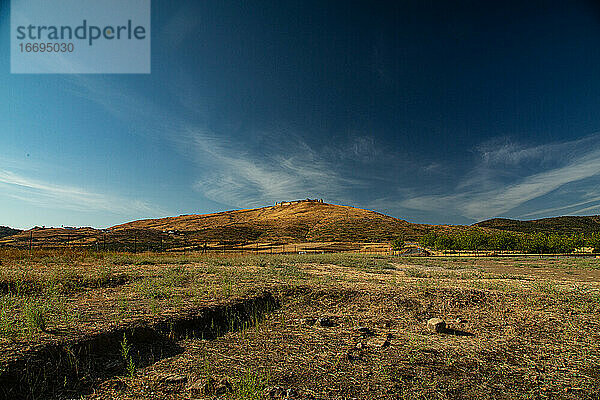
(436, 325)
(326, 322)
(363, 330)
(173, 379)
(277, 392)
(308, 321)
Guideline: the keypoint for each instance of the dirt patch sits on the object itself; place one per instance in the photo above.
(73, 367)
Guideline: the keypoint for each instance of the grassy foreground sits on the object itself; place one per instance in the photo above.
(346, 326)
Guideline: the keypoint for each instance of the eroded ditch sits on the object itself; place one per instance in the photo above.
(70, 369)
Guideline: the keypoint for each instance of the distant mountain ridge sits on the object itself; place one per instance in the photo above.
(563, 225)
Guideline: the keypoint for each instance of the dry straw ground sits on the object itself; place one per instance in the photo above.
(131, 326)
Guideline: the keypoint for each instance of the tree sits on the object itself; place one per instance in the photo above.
(594, 241)
(398, 243)
(444, 242)
(428, 240)
(504, 241)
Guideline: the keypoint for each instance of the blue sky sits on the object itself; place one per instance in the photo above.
(428, 111)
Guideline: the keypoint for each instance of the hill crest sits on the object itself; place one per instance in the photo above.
(309, 220)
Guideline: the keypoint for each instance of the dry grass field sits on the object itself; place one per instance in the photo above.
(100, 325)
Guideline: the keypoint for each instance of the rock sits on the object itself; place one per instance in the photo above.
(436, 325)
(363, 330)
(173, 379)
(308, 321)
(460, 320)
(277, 392)
(326, 322)
(359, 345)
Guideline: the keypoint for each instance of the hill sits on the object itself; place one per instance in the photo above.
(563, 225)
(7, 231)
(306, 220)
(302, 221)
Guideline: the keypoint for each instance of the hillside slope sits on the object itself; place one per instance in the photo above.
(565, 225)
(7, 231)
(294, 221)
(288, 222)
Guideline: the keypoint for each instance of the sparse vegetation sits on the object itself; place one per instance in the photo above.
(128, 362)
(250, 386)
(36, 314)
(532, 321)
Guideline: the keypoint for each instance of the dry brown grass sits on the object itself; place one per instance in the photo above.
(533, 322)
(297, 223)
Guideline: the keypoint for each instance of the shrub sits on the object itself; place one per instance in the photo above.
(35, 314)
(398, 243)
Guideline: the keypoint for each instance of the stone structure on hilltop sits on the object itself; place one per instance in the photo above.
(289, 203)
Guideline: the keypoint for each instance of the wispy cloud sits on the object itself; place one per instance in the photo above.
(243, 178)
(46, 194)
(511, 175)
(588, 205)
(233, 172)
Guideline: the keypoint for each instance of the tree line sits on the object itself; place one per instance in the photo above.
(536, 243)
